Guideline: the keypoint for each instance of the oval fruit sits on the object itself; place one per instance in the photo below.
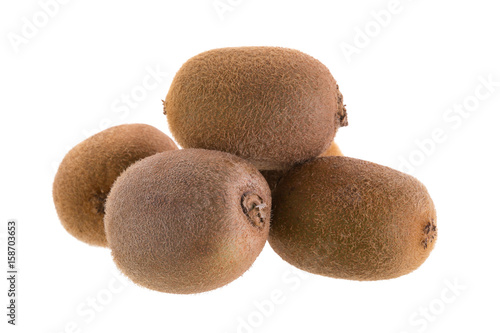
(187, 221)
(88, 171)
(272, 106)
(347, 218)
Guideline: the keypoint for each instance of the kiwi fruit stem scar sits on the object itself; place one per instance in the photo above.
(252, 206)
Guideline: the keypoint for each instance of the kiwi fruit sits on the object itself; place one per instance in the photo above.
(87, 172)
(272, 106)
(273, 176)
(187, 221)
(346, 218)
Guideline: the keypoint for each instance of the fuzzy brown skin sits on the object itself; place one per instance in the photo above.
(346, 218)
(187, 221)
(273, 176)
(88, 171)
(269, 105)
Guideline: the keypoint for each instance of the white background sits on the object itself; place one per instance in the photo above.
(66, 80)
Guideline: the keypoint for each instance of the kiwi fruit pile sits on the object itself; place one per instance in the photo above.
(258, 163)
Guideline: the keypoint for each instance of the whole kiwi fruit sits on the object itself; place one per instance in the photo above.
(346, 218)
(272, 106)
(87, 172)
(187, 221)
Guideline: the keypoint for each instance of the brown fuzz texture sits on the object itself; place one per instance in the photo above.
(87, 172)
(187, 221)
(273, 176)
(272, 106)
(346, 218)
